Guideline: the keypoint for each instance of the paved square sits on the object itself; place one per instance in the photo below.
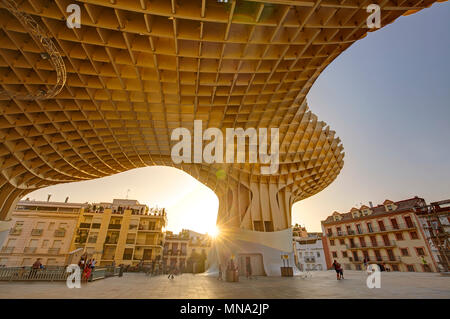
(321, 285)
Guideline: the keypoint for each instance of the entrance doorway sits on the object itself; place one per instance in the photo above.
(256, 262)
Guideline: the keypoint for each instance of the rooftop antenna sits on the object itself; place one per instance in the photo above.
(48, 197)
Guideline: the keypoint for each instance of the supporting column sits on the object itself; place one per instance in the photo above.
(253, 220)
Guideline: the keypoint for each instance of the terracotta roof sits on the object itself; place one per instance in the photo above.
(402, 205)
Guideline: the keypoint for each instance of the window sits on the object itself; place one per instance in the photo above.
(56, 244)
(395, 267)
(344, 254)
(381, 225)
(45, 243)
(93, 238)
(318, 254)
(51, 262)
(341, 242)
(339, 232)
(394, 223)
(40, 225)
(334, 254)
(410, 268)
(51, 226)
(18, 225)
(420, 251)
(11, 243)
(359, 229)
(3, 262)
(26, 262)
(426, 268)
(404, 251)
(362, 241)
(330, 232)
(33, 243)
(398, 236)
(369, 227)
(413, 235)
(332, 242)
(358, 267)
(409, 222)
(63, 225)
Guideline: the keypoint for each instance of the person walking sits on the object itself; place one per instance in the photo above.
(220, 272)
(339, 272)
(171, 276)
(93, 262)
(248, 269)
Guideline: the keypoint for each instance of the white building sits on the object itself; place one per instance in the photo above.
(309, 254)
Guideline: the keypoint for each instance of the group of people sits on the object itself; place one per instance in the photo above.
(86, 267)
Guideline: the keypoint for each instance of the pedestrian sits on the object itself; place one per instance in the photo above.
(86, 273)
(248, 269)
(35, 267)
(171, 270)
(220, 272)
(121, 270)
(93, 263)
(365, 263)
(339, 272)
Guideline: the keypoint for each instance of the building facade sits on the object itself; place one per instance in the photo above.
(388, 234)
(435, 220)
(186, 251)
(40, 230)
(124, 232)
(309, 252)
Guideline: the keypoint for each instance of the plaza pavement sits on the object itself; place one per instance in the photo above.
(188, 286)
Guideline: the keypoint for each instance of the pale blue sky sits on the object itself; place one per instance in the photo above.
(388, 99)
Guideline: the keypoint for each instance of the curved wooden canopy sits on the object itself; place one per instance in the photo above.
(137, 69)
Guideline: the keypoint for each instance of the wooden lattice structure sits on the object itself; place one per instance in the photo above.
(137, 69)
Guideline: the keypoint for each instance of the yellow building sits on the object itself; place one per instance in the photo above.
(388, 234)
(186, 251)
(124, 232)
(40, 230)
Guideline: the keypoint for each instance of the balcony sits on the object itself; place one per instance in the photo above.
(15, 232)
(36, 232)
(127, 257)
(130, 241)
(148, 228)
(111, 242)
(80, 240)
(310, 259)
(96, 225)
(29, 250)
(7, 250)
(378, 244)
(114, 226)
(85, 225)
(375, 259)
(60, 233)
(373, 230)
(146, 243)
(54, 251)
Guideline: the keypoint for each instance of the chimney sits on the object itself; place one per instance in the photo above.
(67, 199)
(370, 204)
(48, 197)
